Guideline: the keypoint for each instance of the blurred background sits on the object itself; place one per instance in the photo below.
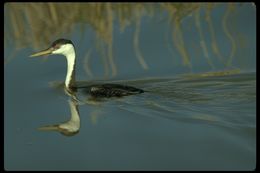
(138, 38)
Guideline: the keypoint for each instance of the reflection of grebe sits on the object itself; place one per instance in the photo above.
(66, 48)
(68, 128)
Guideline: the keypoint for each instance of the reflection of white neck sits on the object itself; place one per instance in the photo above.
(73, 124)
(70, 77)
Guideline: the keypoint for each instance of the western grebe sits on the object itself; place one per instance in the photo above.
(65, 47)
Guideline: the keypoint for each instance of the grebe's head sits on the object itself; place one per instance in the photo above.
(60, 46)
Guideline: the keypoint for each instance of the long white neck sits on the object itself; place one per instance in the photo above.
(71, 62)
(69, 52)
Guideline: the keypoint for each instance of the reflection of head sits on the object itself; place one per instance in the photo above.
(67, 132)
(63, 131)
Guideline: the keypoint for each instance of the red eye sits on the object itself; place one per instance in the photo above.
(56, 46)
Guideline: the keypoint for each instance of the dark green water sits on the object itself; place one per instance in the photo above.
(181, 123)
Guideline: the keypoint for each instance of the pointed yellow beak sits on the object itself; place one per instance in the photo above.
(44, 52)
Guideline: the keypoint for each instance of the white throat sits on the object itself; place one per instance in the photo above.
(70, 67)
(69, 52)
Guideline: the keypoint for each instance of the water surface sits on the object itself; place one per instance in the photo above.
(181, 123)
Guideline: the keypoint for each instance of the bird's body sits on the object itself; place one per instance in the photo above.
(65, 47)
(111, 90)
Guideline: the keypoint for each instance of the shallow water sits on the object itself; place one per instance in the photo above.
(182, 122)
